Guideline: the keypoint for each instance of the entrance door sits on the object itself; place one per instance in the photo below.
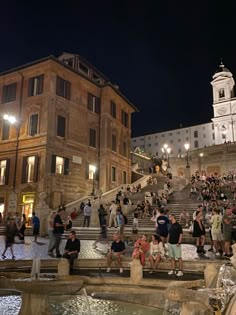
(27, 206)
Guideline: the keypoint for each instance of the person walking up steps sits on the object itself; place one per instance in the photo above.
(11, 232)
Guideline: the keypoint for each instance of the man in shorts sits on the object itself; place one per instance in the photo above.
(174, 246)
(116, 252)
(216, 233)
(162, 226)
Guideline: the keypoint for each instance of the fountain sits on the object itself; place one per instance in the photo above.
(35, 290)
(219, 296)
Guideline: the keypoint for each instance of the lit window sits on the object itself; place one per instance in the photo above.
(3, 170)
(92, 170)
(35, 85)
(221, 93)
(30, 169)
(59, 165)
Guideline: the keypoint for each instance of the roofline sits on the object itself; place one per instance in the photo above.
(53, 58)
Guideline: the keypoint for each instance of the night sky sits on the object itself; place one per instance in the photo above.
(162, 54)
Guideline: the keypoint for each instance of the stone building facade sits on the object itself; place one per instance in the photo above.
(71, 136)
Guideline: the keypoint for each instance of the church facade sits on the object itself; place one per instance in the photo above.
(220, 130)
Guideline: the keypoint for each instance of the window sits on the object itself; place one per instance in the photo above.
(204, 136)
(4, 171)
(149, 145)
(179, 140)
(221, 93)
(196, 144)
(113, 109)
(203, 128)
(212, 126)
(124, 118)
(156, 144)
(213, 136)
(92, 138)
(149, 138)
(163, 135)
(91, 171)
(9, 93)
(156, 137)
(33, 124)
(113, 142)
(93, 103)
(195, 134)
(5, 130)
(179, 150)
(35, 85)
(124, 149)
(187, 138)
(223, 135)
(69, 62)
(113, 174)
(186, 130)
(30, 169)
(61, 126)
(83, 68)
(178, 132)
(96, 78)
(171, 141)
(124, 177)
(60, 165)
(170, 134)
(63, 88)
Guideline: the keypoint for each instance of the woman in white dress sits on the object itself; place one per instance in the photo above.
(157, 252)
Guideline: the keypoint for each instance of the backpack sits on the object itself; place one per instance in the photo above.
(125, 219)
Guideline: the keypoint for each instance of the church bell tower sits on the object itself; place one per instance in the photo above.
(224, 105)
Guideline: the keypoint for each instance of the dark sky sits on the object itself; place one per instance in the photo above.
(162, 54)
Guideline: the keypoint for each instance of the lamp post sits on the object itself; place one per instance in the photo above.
(166, 151)
(201, 156)
(187, 146)
(13, 121)
(93, 169)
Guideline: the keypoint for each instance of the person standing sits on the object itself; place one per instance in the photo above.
(217, 237)
(162, 226)
(87, 213)
(50, 222)
(22, 228)
(116, 251)
(120, 220)
(36, 226)
(199, 232)
(11, 232)
(101, 214)
(72, 248)
(227, 231)
(112, 218)
(174, 245)
(58, 230)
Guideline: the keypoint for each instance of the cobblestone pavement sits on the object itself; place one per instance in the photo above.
(31, 249)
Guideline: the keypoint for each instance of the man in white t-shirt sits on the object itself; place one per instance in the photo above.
(112, 218)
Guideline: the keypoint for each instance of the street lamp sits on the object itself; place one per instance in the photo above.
(166, 150)
(187, 146)
(93, 170)
(13, 121)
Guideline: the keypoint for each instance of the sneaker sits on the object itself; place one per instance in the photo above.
(121, 270)
(172, 272)
(210, 249)
(59, 256)
(4, 257)
(50, 254)
(217, 254)
(13, 257)
(108, 269)
(180, 273)
(151, 271)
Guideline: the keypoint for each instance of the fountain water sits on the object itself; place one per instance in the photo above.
(84, 293)
(35, 271)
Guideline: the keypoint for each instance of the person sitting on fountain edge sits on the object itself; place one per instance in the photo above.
(72, 248)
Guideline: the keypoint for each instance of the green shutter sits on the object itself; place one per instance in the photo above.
(23, 171)
(53, 164)
(66, 166)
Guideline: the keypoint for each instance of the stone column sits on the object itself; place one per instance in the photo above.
(42, 210)
(136, 271)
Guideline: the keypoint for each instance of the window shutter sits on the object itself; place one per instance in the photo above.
(33, 124)
(66, 166)
(97, 105)
(67, 87)
(36, 169)
(31, 87)
(87, 171)
(23, 172)
(53, 164)
(7, 172)
(90, 101)
(61, 126)
(40, 84)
